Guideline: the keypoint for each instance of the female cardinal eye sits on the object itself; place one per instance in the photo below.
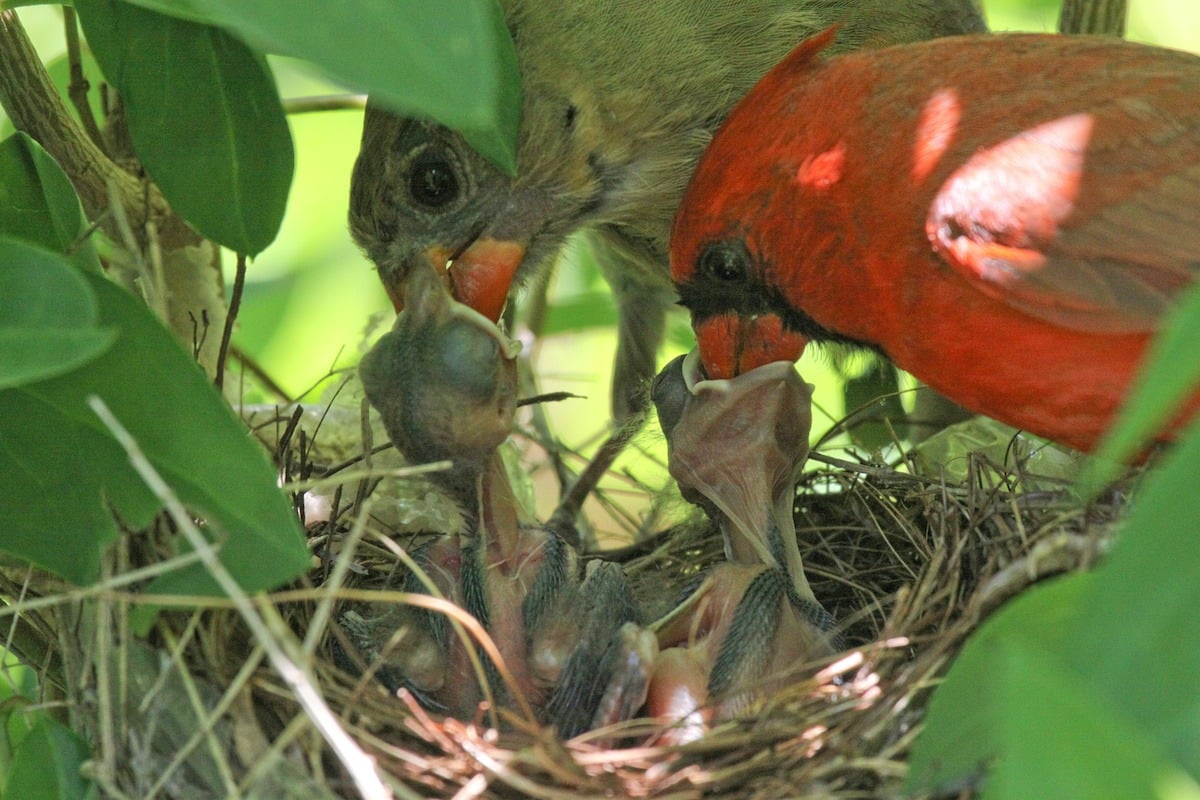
(726, 261)
(432, 181)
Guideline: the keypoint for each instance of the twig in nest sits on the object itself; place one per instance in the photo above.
(235, 304)
(549, 397)
(1060, 552)
(325, 102)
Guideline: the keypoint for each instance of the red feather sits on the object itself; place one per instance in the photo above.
(1006, 217)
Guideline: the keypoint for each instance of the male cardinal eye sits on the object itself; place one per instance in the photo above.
(725, 261)
(432, 181)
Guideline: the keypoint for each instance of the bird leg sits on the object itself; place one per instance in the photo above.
(736, 448)
(444, 381)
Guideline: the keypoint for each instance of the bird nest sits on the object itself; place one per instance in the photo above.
(909, 565)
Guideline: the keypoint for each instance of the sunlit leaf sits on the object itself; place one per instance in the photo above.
(18, 692)
(453, 62)
(204, 117)
(956, 451)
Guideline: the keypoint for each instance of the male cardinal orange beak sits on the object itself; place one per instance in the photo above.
(731, 344)
(479, 276)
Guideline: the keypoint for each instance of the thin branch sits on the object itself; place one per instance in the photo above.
(269, 384)
(562, 522)
(79, 86)
(235, 304)
(35, 107)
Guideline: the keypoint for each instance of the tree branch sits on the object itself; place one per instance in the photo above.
(191, 274)
(34, 106)
(78, 91)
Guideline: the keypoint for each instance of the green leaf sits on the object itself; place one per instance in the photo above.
(961, 733)
(38, 203)
(204, 117)
(1044, 466)
(1169, 373)
(48, 317)
(48, 764)
(63, 471)
(1139, 640)
(453, 62)
(181, 9)
(1060, 738)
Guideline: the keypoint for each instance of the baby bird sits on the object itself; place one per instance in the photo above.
(444, 382)
(736, 448)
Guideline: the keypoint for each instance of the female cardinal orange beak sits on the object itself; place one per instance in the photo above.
(731, 344)
(479, 276)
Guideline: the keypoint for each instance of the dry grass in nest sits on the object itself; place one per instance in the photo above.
(909, 565)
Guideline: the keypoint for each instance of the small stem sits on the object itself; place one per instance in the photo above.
(78, 89)
(325, 102)
(235, 303)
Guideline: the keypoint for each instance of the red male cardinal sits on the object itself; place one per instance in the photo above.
(1007, 217)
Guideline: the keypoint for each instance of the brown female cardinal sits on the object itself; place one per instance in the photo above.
(1007, 218)
(620, 98)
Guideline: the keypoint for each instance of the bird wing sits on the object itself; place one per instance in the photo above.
(1065, 229)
